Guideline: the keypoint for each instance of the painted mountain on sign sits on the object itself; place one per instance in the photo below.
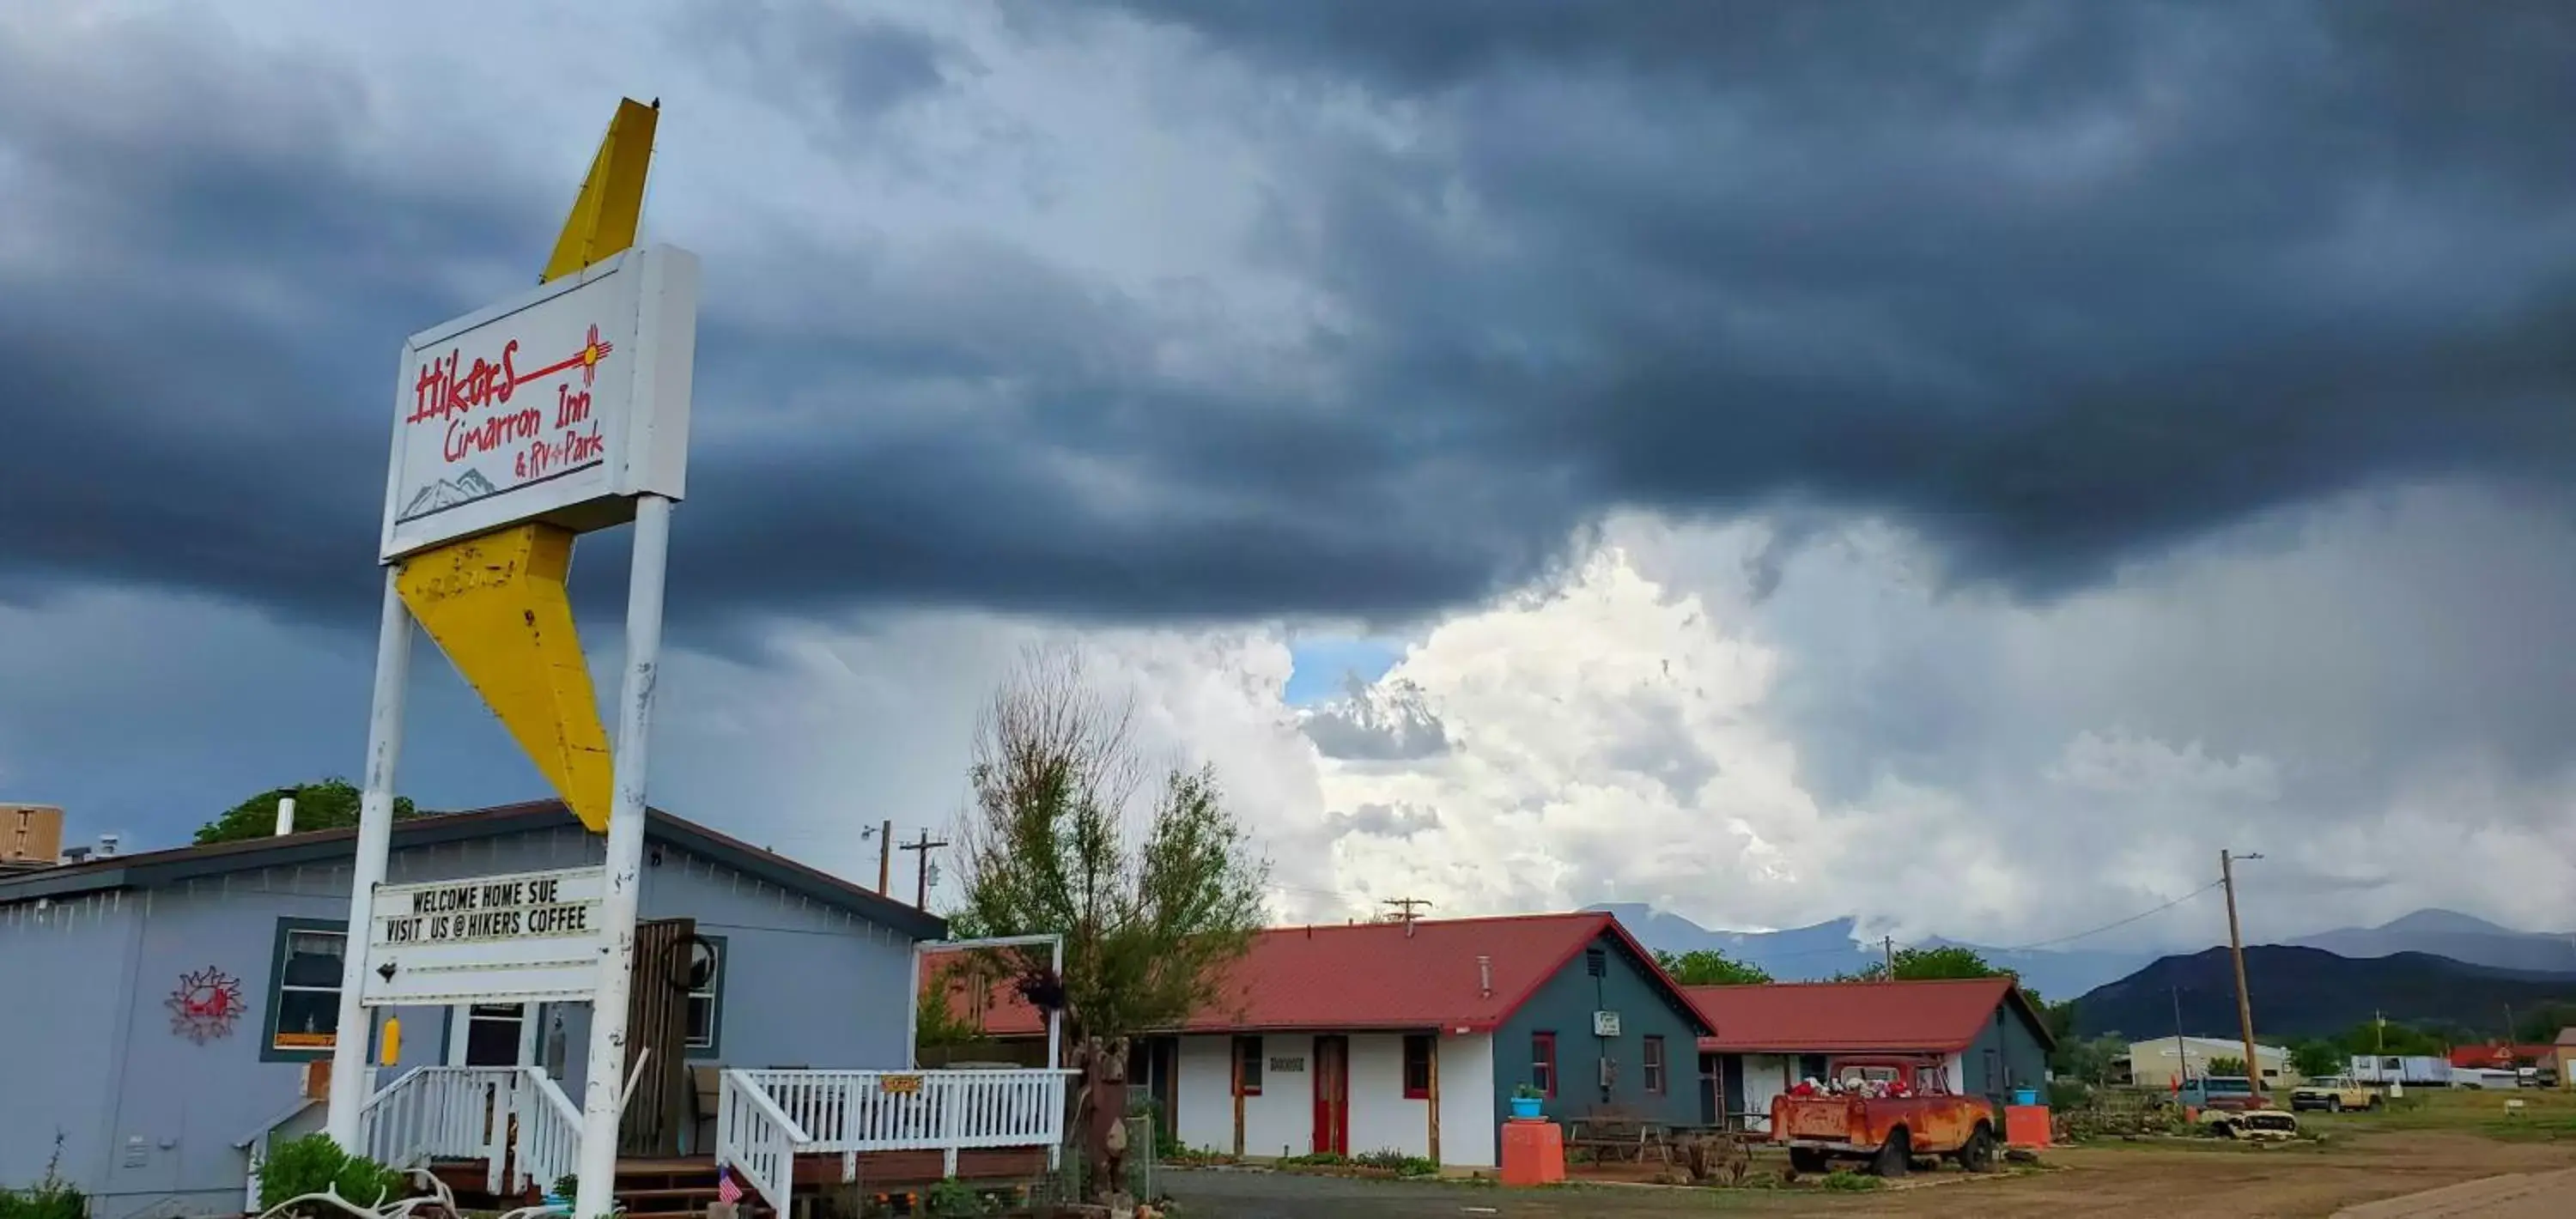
(449, 492)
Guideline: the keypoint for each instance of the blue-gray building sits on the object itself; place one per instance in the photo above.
(162, 1008)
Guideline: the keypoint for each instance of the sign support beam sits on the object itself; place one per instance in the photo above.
(375, 838)
(602, 1103)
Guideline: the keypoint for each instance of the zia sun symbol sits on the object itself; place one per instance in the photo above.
(205, 1005)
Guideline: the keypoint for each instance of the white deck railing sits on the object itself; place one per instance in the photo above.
(514, 1119)
(767, 1118)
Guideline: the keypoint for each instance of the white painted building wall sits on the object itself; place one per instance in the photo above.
(1281, 1120)
(1468, 1131)
(1203, 1093)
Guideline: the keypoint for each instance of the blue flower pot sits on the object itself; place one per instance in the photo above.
(2025, 1096)
(1525, 1108)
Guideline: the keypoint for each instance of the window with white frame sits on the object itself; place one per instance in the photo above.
(706, 994)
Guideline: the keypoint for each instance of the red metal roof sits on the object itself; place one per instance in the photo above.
(1371, 976)
(2504, 1056)
(1853, 1017)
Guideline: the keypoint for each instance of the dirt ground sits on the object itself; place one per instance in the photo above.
(2171, 1181)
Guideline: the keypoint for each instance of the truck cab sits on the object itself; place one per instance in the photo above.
(2218, 1092)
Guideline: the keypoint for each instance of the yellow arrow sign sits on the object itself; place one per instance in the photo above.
(496, 602)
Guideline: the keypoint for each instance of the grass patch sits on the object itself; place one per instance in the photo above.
(1844, 1180)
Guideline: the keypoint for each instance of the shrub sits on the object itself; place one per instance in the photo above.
(1399, 1162)
(954, 1199)
(314, 1163)
(50, 1198)
(1855, 1182)
(2068, 1094)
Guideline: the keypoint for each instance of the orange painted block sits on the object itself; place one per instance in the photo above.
(1533, 1153)
(2025, 1125)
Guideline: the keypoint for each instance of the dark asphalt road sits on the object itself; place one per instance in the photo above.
(1262, 1195)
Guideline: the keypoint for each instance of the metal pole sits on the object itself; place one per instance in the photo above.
(2244, 1001)
(2182, 1053)
(606, 1069)
(367, 869)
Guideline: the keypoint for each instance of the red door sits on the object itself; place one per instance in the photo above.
(1333, 1095)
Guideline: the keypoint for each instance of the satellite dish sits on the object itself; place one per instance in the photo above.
(701, 970)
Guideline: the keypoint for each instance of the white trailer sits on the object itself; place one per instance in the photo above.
(2420, 1070)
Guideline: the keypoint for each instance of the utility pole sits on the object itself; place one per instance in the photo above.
(2182, 1052)
(885, 856)
(1403, 908)
(921, 887)
(1887, 954)
(2236, 946)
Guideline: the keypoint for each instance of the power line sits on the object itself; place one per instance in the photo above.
(2068, 939)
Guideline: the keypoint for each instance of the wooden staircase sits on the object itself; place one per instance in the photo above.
(674, 1189)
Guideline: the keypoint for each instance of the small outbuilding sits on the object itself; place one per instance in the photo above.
(1410, 1037)
(1984, 1032)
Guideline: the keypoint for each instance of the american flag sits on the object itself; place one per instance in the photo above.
(727, 1191)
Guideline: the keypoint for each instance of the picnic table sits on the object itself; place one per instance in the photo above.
(1612, 1135)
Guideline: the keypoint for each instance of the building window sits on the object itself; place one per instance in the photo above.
(1653, 1049)
(1247, 1066)
(1543, 1064)
(1417, 1066)
(304, 989)
(706, 995)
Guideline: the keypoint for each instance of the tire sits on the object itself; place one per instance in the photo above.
(1808, 1160)
(1895, 1156)
(2334, 1104)
(1978, 1153)
(2375, 1100)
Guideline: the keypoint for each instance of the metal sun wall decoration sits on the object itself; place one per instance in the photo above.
(205, 1005)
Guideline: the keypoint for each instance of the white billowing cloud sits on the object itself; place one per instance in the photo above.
(1661, 722)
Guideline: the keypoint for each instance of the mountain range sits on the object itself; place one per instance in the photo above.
(1825, 949)
(2309, 992)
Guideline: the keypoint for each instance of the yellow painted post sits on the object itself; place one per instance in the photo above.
(496, 602)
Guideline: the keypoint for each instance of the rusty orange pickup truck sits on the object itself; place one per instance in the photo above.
(1888, 1111)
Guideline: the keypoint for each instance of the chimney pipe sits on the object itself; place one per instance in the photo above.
(285, 816)
(1485, 977)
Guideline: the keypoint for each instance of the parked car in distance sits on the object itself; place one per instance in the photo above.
(2334, 1094)
(1888, 1131)
(2484, 1077)
(2229, 1092)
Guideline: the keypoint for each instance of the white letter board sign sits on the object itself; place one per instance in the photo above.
(518, 938)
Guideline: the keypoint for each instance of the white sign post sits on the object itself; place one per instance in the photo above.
(567, 404)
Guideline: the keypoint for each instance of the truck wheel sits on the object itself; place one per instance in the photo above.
(2334, 1104)
(2374, 1100)
(1895, 1156)
(1807, 1160)
(1978, 1153)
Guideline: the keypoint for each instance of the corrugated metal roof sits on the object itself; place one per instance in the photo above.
(1942, 1016)
(1375, 976)
(150, 868)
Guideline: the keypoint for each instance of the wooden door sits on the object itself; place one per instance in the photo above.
(657, 1019)
(1332, 1076)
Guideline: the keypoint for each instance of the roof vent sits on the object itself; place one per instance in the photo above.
(107, 845)
(1485, 977)
(285, 816)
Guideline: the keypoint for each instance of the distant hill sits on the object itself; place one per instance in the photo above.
(2309, 992)
(2461, 937)
(1827, 948)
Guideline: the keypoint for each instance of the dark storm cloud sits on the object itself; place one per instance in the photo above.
(2055, 284)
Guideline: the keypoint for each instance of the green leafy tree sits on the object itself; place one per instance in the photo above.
(2317, 1059)
(1709, 967)
(2226, 1066)
(1930, 964)
(2087, 1059)
(1150, 879)
(324, 804)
